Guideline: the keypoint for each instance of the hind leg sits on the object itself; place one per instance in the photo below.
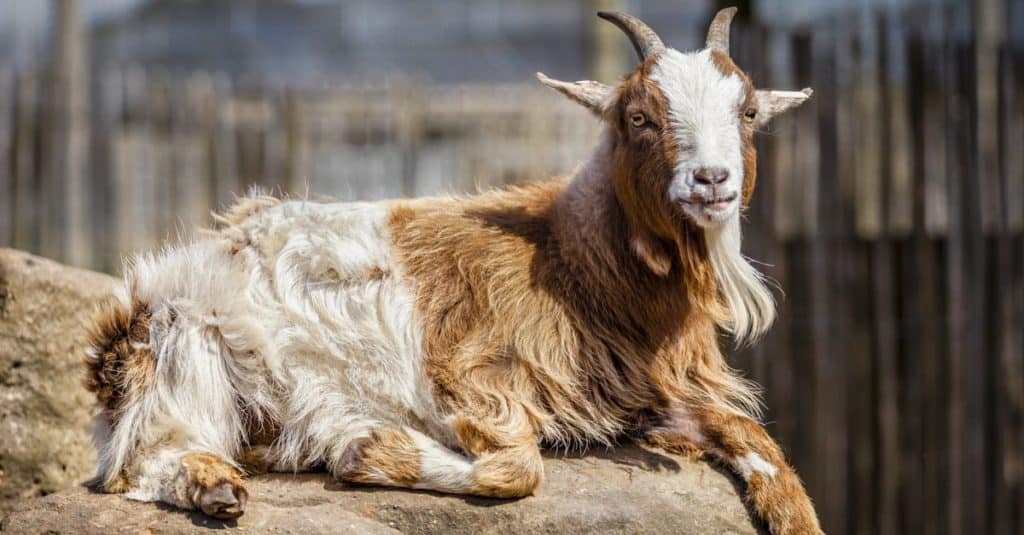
(403, 457)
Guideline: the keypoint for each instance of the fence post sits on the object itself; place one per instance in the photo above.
(66, 231)
(898, 135)
(297, 172)
(608, 52)
(26, 228)
(224, 142)
(6, 146)
(989, 33)
(1013, 139)
(189, 154)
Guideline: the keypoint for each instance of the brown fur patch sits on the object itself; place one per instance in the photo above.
(477, 438)
(391, 453)
(207, 471)
(675, 444)
(644, 158)
(214, 486)
(118, 485)
(119, 365)
(509, 473)
(254, 460)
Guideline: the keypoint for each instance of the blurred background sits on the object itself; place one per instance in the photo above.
(890, 209)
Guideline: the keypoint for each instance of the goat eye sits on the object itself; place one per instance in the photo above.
(638, 119)
(750, 113)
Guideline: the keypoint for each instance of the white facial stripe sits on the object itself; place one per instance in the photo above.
(703, 107)
(704, 118)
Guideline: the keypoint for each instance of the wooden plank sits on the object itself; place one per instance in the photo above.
(156, 180)
(810, 55)
(927, 281)
(1006, 385)
(123, 152)
(868, 133)
(969, 423)
(909, 394)
(1005, 294)
(26, 229)
(933, 132)
(224, 143)
(849, 335)
(107, 116)
(275, 143)
(786, 213)
(921, 287)
(1013, 138)
(958, 297)
(6, 176)
(298, 150)
(862, 427)
(1013, 348)
(801, 424)
(609, 56)
(989, 33)
(898, 153)
(889, 463)
(133, 162)
(190, 152)
(408, 127)
(65, 230)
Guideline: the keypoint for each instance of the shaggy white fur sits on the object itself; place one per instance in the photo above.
(308, 324)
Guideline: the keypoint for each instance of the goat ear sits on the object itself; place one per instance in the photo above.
(591, 95)
(771, 103)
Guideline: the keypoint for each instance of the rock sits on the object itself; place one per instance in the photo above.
(45, 417)
(45, 412)
(626, 490)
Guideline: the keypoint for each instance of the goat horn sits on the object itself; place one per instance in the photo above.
(718, 33)
(645, 41)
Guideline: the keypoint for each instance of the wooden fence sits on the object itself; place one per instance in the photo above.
(890, 210)
(167, 148)
(892, 214)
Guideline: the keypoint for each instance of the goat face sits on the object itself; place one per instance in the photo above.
(709, 133)
(683, 127)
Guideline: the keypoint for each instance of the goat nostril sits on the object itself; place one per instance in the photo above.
(711, 175)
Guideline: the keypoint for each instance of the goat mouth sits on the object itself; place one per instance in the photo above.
(715, 204)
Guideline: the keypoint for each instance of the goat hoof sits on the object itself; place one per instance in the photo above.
(225, 501)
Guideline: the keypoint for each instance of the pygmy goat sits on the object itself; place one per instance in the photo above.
(440, 343)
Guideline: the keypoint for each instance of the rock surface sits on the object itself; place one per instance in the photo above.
(627, 490)
(44, 447)
(45, 413)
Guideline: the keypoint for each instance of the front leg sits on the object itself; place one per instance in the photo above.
(773, 488)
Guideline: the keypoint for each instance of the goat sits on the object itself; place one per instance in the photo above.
(440, 343)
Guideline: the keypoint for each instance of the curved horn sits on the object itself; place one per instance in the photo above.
(645, 41)
(718, 33)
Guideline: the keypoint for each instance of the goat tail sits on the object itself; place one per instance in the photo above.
(120, 366)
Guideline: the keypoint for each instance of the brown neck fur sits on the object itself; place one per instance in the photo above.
(596, 225)
(570, 308)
